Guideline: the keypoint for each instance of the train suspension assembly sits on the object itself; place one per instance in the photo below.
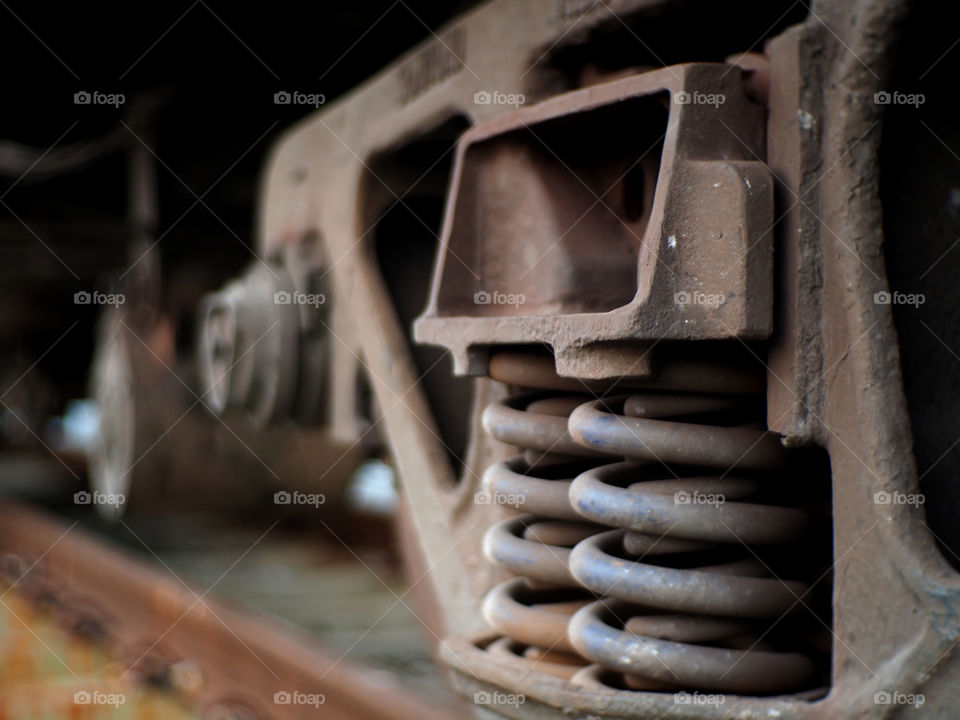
(662, 535)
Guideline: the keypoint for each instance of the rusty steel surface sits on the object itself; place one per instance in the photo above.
(47, 672)
(688, 554)
(534, 422)
(604, 495)
(539, 371)
(225, 662)
(643, 436)
(681, 254)
(540, 624)
(516, 484)
(698, 234)
(732, 589)
(896, 600)
(664, 477)
(319, 184)
(665, 659)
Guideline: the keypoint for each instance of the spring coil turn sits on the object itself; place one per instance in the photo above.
(534, 610)
(663, 504)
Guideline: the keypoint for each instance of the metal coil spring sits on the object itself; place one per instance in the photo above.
(686, 474)
(690, 599)
(533, 611)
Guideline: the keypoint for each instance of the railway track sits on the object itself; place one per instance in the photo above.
(110, 624)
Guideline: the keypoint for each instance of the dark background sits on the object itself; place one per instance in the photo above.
(213, 68)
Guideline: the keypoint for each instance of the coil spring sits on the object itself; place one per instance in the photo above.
(534, 610)
(680, 593)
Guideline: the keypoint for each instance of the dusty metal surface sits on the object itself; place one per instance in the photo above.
(679, 600)
(661, 241)
(160, 628)
(833, 377)
(319, 182)
(620, 494)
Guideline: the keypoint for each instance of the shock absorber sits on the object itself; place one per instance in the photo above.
(660, 539)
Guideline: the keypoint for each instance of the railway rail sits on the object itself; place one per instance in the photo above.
(224, 662)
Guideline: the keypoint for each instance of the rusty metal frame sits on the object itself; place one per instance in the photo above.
(314, 185)
(713, 197)
(834, 375)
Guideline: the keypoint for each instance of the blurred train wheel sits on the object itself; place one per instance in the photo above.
(159, 445)
(113, 457)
